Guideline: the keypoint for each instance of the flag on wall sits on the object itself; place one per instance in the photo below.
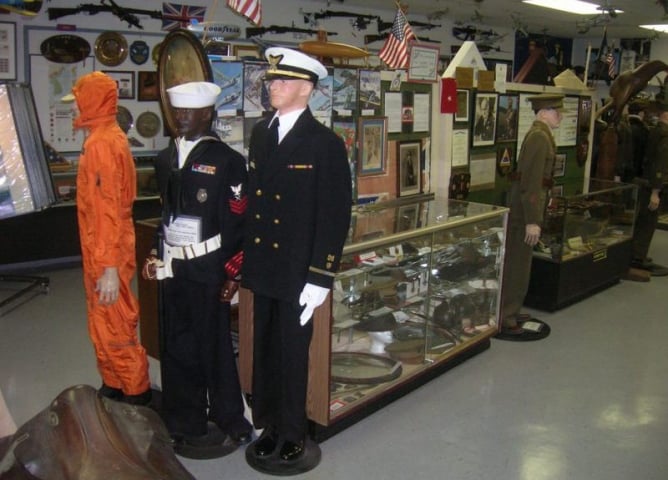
(395, 49)
(251, 9)
(176, 16)
(612, 62)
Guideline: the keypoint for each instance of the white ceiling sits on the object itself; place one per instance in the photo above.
(513, 13)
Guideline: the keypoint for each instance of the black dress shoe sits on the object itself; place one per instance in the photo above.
(266, 444)
(242, 438)
(291, 451)
(110, 392)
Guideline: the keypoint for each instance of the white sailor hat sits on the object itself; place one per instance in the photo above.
(292, 64)
(193, 95)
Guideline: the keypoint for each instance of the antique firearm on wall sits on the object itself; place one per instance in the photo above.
(125, 14)
(360, 21)
(255, 31)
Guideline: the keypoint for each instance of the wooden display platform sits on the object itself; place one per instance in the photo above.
(555, 285)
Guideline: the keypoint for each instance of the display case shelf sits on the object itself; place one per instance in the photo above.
(417, 292)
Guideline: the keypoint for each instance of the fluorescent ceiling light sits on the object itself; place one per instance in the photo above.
(571, 6)
(658, 28)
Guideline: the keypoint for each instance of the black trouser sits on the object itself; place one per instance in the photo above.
(199, 372)
(280, 367)
(645, 225)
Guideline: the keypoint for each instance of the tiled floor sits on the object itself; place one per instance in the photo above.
(590, 402)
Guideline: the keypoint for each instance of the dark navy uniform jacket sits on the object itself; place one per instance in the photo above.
(299, 206)
(210, 186)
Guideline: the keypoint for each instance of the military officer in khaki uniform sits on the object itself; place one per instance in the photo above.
(298, 217)
(527, 201)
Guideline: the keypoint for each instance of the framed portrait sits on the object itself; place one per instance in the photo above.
(423, 63)
(559, 165)
(147, 86)
(372, 142)
(125, 82)
(7, 51)
(557, 191)
(246, 52)
(506, 120)
(462, 114)
(408, 157)
(484, 127)
(407, 217)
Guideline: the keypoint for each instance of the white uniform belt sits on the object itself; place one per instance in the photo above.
(185, 252)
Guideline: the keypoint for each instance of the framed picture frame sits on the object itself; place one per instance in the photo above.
(147, 86)
(372, 145)
(246, 51)
(559, 165)
(408, 158)
(463, 103)
(407, 217)
(484, 127)
(125, 82)
(507, 118)
(423, 63)
(7, 51)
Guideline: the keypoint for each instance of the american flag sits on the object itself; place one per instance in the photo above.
(176, 16)
(395, 49)
(612, 63)
(251, 9)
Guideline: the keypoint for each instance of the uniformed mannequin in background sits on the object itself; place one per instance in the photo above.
(650, 183)
(202, 183)
(106, 191)
(527, 199)
(298, 217)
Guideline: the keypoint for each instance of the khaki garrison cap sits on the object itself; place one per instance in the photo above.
(546, 100)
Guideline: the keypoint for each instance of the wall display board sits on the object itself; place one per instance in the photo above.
(52, 80)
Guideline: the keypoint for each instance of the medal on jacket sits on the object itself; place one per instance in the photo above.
(201, 195)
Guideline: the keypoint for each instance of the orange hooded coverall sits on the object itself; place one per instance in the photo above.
(106, 190)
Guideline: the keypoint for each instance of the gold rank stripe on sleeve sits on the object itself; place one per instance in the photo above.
(321, 271)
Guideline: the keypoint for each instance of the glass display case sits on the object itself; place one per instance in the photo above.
(585, 244)
(417, 292)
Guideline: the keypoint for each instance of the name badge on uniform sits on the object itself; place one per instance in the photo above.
(207, 169)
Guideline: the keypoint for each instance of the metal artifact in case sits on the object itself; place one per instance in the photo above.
(407, 301)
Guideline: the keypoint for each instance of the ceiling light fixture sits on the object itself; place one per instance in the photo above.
(658, 28)
(570, 6)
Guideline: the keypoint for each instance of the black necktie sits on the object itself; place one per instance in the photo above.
(272, 138)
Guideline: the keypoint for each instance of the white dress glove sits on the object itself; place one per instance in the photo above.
(107, 286)
(312, 296)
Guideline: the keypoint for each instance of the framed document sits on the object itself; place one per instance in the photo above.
(125, 83)
(7, 51)
(423, 63)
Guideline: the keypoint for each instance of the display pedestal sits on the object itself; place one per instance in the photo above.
(557, 284)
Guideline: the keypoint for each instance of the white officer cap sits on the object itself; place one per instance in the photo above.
(193, 95)
(292, 64)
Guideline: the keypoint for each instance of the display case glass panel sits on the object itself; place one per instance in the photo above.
(580, 224)
(409, 298)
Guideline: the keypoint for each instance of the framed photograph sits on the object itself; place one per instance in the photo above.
(408, 157)
(147, 86)
(246, 52)
(462, 114)
(484, 128)
(423, 63)
(559, 165)
(125, 81)
(584, 115)
(407, 217)
(557, 191)
(506, 120)
(7, 51)
(372, 141)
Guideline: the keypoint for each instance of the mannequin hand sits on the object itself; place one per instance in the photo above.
(230, 287)
(654, 200)
(107, 286)
(531, 234)
(312, 296)
(148, 271)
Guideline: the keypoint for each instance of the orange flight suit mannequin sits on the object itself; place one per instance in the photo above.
(106, 190)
